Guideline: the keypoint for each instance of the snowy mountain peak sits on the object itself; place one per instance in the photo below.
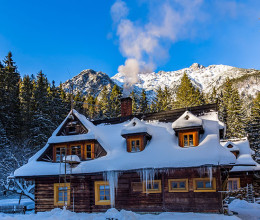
(205, 78)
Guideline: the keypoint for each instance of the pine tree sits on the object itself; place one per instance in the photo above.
(235, 116)
(187, 95)
(10, 109)
(134, 102)
(213, 98)
(90, 106)
(166, 102)
(115, 97)
(104, 103)
(26, 93)
(143, 102)
(253, 127)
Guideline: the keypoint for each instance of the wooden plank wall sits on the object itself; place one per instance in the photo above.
(82, 187)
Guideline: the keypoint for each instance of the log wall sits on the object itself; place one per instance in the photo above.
(129, 194)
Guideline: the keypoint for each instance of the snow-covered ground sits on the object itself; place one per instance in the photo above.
(245, 210)
(59, 214)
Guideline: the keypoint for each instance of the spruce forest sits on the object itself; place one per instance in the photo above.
(31, 108)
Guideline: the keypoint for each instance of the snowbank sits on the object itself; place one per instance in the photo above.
(245, 209)
(59, 214)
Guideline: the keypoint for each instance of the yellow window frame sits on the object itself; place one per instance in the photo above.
(213, 184)
(130, 147)
(97, 193)
(92, 150)
(56, 194)
(186, 189)
(152, 190)
(234, 179)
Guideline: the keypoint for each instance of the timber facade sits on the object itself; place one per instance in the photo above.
(130, 193)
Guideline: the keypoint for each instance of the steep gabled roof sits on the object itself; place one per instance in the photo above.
(187, 120)
(162, 151)
(244, 160)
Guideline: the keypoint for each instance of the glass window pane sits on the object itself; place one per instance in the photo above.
(200, 184)
(182, 185)
(88, 147)
(235, 185)
(102, 198)
(208, 184)
(137, 142)
(107, 187)
(185, 140)
(88, 155)
(156, 186)
(137, 148)
(133, 143)
(174, 185)
(107, 193)
(101, 187)
(149, 186)
(191, 140)
(102, 192)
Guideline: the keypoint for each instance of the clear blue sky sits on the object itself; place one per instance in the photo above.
(64, 37)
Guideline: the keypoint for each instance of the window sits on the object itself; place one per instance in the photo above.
(204, 185)
(61, 194)
(152, 186)
(188, 139)
(233, 184)
(102, 193)
(89, 151)
(76, 150)
(178, 185)
(60, 153)
(134, 144)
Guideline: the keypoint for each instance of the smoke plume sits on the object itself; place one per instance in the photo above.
(145, 45)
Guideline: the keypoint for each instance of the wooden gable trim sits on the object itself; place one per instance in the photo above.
(66, 122)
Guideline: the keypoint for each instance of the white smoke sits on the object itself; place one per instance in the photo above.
(145, 45)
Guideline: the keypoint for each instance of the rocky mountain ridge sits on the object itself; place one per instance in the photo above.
(205, 78)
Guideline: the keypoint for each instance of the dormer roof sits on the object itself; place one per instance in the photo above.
(135, 126)
(186, 121)
(231, 146)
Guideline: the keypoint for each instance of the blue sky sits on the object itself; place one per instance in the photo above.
(64, 37)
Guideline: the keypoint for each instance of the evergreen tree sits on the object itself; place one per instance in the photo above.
(213, 98)
(104, 103)
(187, 95)
(143, 102)
(134, 102)
(235, 116)
(10, 106)
(115, 97)
(90, 106)
(26, 93)
(253, 127)
(166, 102)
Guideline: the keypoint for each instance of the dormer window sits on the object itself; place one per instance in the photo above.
(135, 145)
(188, 139)
(188, 127)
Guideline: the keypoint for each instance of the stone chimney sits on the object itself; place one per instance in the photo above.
(126, 106)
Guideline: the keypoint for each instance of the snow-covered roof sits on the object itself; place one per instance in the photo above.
(231, 146)
(244, 160)
(134, 126)
(187, 120)
(162, 151)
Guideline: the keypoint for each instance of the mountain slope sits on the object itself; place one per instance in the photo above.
(247, 80)
(205, 78)
(89, 82)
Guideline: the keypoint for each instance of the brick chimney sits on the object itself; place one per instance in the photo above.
(126, 106)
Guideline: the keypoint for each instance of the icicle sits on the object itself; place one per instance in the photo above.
(147, 175)
(209, 171)
(112, 178)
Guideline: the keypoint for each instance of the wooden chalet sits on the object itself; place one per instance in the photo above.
(156, 162)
